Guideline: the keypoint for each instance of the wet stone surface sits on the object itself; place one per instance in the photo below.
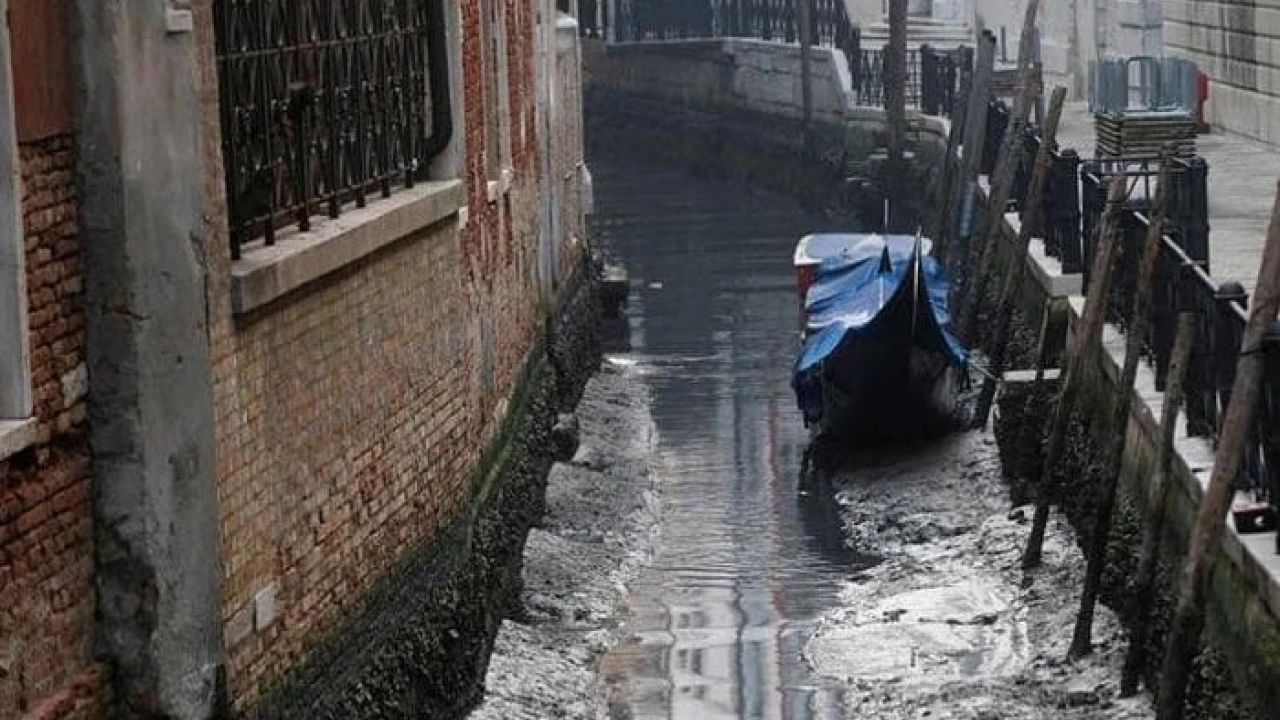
(600, 519)
(948, 625)
(745, 563)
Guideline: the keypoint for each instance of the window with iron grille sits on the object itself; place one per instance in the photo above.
(325, 103)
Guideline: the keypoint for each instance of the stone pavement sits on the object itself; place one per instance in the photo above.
(1242, 187)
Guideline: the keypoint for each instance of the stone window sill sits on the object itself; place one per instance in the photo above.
(500, 187)
(265, 274)
(17, 435)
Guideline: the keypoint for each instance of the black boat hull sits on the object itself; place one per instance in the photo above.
(894, 382)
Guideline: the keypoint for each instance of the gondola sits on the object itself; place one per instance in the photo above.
(879, 358)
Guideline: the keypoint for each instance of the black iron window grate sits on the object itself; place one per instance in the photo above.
(324, 103)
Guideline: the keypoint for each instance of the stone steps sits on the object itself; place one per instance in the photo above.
(942, 34)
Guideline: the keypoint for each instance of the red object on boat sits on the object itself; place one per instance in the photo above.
(1202, 96)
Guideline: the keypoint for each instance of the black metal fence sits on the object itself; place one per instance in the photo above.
(1071, 212)
(1183, 284)
(939, 78)
(324, 104)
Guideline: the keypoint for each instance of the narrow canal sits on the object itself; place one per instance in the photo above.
(746, 563)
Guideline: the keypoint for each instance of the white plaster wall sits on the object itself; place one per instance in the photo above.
(754, 75)
(766, 77)
(865, 12)
(1073, 32)
(1238, 46)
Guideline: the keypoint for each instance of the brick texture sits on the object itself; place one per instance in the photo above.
(46, 555)
(352, 414)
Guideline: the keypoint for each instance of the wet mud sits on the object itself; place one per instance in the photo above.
(601, 518)
(948, 625)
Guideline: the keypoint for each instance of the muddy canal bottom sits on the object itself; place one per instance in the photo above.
(746, 564)
(754, 605)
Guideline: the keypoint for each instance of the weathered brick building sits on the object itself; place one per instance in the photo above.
(282, 319)
(47, 660)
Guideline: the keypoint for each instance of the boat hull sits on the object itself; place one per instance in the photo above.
(879, 361)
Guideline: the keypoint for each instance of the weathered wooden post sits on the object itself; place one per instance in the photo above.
(895, 86)
(1087, 336)
(1014, 274)
(1002, 178)
(1030, 432)
(1161, 483)
(1211, 517)
(975, 133)
(804, 15)
(1082, 638)
(951, 165)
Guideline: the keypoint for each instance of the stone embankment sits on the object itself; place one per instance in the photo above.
(947, 625)
(601, 516)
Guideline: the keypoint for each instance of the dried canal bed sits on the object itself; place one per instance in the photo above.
(601, 516)
(944, 626)
(755, 603)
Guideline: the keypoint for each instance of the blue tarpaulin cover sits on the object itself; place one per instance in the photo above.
(852, 287)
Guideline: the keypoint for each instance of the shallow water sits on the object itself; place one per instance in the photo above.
(746, 564)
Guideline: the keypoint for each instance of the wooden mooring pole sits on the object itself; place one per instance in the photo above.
(1030, 432)
(895, 87)
(1015, 273)
(1211, 516)
(1161, 483)
(951, 165)
(804, 14)
(1087, 336)
(975, 135)
(1002, 177)
(1082, 638)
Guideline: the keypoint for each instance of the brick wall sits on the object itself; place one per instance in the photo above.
(46, 555)
(352, 413)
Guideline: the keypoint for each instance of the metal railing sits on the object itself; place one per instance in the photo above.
(1071, 210)
(325, 104)
(932, 76)
(940, 74)
(1183, 284)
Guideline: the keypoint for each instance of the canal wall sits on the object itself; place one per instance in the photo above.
(732, 107)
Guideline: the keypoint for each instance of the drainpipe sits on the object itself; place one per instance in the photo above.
(438, 70)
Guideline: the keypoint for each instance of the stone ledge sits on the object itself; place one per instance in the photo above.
(17, 435)
(267, 273)
(1253, 555)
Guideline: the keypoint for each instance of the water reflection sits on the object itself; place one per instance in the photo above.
(746, 562)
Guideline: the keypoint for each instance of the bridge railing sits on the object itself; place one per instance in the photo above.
(932, 76)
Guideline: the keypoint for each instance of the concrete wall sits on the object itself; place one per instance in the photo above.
(566, 183)
(748, 75)
(1234, 44)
